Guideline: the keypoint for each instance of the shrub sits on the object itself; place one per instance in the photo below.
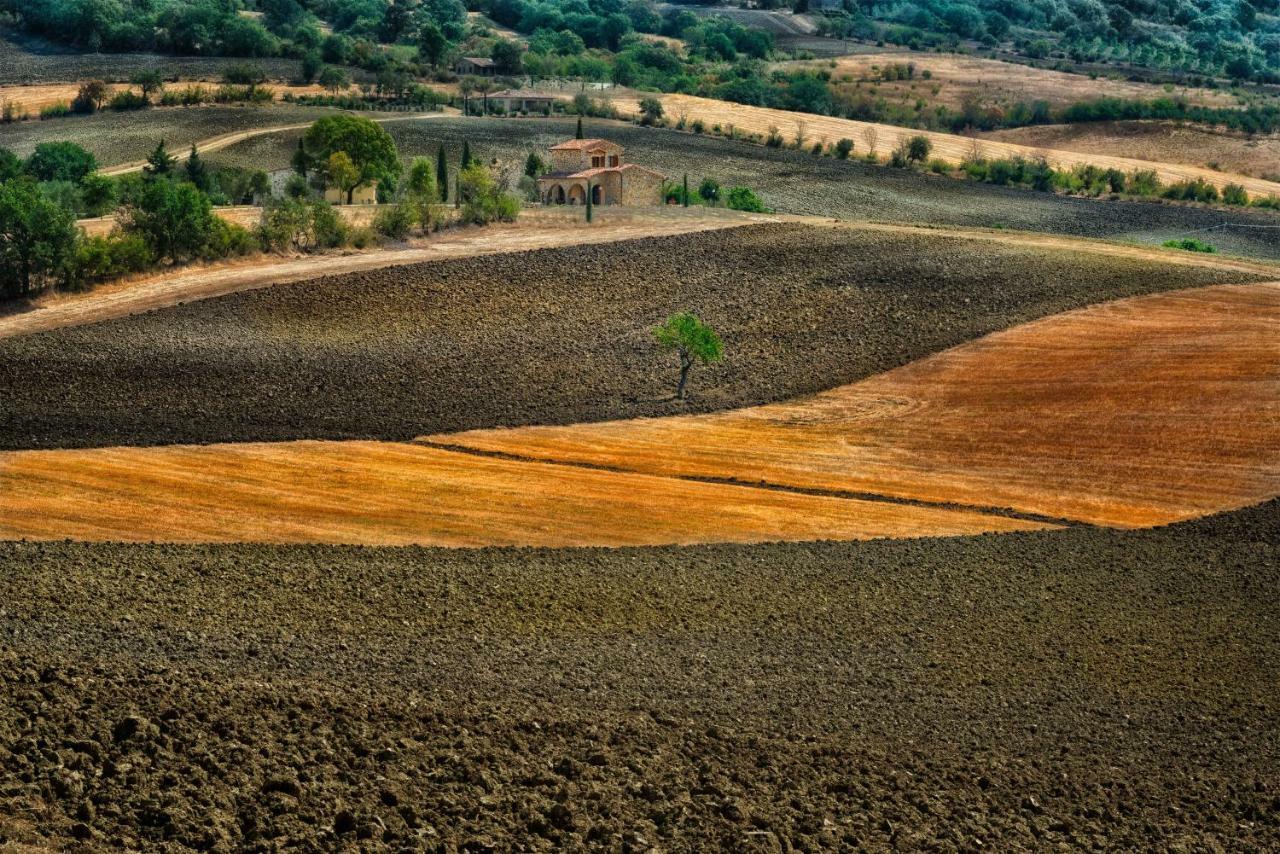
(774, 139)
(745, 199)
(394, 221)
(483, 201)
(1144, 182)
(1234, 194)
(709, 190)
(107, 257)
(1189, 244)
(844, 148)
(127, 99)
(55, 111)
(938, 166)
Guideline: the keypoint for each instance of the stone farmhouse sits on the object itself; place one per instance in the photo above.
(480, 66)
(596, 165)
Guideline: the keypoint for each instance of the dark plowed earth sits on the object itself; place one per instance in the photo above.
(797, 182)
(554, 336)
(1088, 688)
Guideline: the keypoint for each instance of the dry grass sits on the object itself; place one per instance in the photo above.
(1139, 412)
(1256, 156)
(950, 147)
(957, 78)
(388, 493)
(32, 99)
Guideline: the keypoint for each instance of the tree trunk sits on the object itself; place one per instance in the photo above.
(350, 194)
(685, 364)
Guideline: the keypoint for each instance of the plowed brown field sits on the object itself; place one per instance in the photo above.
(1138, 412)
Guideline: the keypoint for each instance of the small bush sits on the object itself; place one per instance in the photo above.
(394, 221)
(1189, 244)
(55, 111)
(745, 199)
(844, 148)
(938, 166)
(127, 99)
(1234, 194)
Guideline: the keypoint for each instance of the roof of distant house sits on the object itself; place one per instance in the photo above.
(575, 144)
(482, 61)
(524, 94)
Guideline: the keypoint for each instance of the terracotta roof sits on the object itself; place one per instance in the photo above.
(599, 170)
(577, 144)
(482, 61)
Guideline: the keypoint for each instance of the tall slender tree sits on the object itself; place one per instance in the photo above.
(589, 205)
(196, 172)
(578, 135)
(684, 200)
(442, 174)
(466, 155)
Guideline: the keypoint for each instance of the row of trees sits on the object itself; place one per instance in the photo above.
(165, 214)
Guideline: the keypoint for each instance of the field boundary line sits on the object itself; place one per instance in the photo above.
(844, 494)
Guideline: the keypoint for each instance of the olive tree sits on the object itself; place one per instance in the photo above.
(693, 342)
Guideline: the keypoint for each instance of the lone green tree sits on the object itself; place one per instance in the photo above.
(197, 173)
(160, 162)
(578, 133)
(693, 342)
(371, 149)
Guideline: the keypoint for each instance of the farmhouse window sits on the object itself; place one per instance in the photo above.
(613, 160)
(597, 160)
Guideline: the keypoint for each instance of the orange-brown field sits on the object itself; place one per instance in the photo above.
(388, 493)
(1133, 413)
(952, 148)
(954, 78)
(31, 99)
(1139, 412)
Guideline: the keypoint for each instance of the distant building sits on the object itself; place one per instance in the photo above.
(826, 5)
(597, 164)
(478, 66)
(522, 101)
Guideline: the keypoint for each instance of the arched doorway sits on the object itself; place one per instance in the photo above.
(596, 194)
(577, 195)
(557, 194)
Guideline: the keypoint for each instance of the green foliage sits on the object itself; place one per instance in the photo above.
(745, 199)
(365, 143)
(196, 171)
(395, 221)
(60, 161)
(333, 79)
(160, 163)
(534, 165)
(175, 219)
(302, 226)
(110, 256)
(844, 148)
(1189, 244)
(709, 190)
(692, 340)
(1234, 194)
(37, 237)
(127, 99)
(483, 201)
(650, 111)
(442, 173)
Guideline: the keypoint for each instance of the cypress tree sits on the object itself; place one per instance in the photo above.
(466, 154)
(442, 174)
(589, 206)
(300, 160)
(196, 172)
(685, 194)
(578, 135)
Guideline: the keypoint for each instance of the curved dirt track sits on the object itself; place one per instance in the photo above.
(1139, 412)
(950, 147)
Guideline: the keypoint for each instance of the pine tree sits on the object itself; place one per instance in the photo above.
(160, 161)
(196, 172)
(442, 174)
(578, 135)
(466, 155)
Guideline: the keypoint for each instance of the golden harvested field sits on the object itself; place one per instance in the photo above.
(386, 493)
(1257, 156)
(957, 78)
(950, 147)
(1139, 412)
(32, 99)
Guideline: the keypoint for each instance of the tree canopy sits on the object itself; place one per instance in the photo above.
(369, 147)
(693, 342)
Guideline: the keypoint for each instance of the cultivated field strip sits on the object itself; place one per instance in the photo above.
(385, 493)
(1138, 412)
(950, 147)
